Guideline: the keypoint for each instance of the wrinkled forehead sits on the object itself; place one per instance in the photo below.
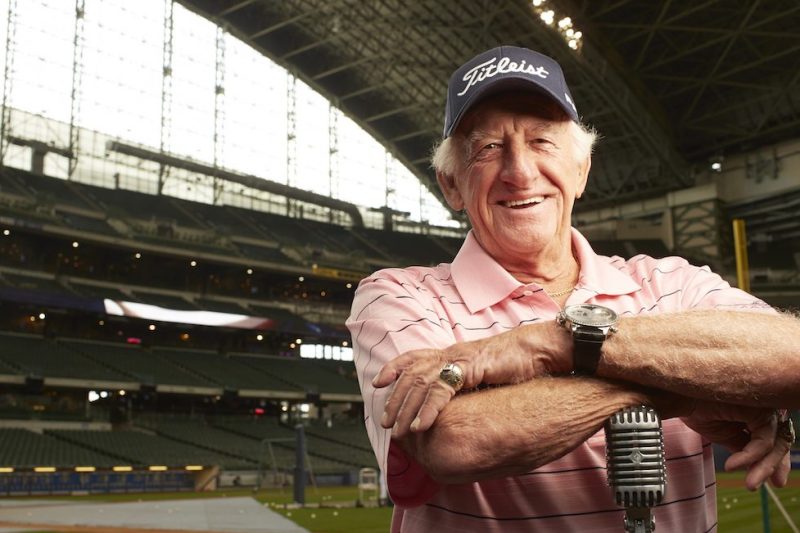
(496, 109)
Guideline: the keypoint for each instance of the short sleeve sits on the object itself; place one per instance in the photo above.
(393, 313)
(704, 289)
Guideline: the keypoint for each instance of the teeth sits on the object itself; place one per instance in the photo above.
(527, 201)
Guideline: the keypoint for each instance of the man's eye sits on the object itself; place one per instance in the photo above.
(492, 146)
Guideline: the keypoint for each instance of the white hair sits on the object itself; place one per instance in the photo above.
(450, 154)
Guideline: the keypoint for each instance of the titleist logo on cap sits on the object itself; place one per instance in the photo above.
(504, 68)
(489, 69)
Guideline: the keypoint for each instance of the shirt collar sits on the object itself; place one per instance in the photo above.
(598, 273)
(482, 282)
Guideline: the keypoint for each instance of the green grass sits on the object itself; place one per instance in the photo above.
(327, 519)
(739, 510)
(368, 520)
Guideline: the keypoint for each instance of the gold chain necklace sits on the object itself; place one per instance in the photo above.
(563, 292)
(560, 293)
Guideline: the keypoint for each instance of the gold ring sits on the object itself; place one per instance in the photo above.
(785, 431)
(452, 374)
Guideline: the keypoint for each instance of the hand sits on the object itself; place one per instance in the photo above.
(748, 432)
(419, 394)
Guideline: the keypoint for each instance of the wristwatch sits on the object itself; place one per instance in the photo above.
(590, 325)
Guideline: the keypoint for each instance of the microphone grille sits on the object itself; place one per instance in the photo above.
(635, 457)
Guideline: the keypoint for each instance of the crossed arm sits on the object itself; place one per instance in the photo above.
(690, 364)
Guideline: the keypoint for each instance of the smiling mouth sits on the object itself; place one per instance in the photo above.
(527, 202)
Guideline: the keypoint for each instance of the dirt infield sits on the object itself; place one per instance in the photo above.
(794, 482)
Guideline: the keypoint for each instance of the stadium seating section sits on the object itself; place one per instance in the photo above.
(29, 355)
(233, 443)
(167, 220)
(22, 448)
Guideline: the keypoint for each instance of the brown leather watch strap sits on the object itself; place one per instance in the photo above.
(588, 343)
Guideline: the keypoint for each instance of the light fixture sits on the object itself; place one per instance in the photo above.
(137, 255)
(349, 285)
(298, 341)
(157, 468)
(193, 467)
(193, 263)
(260, 337)
(75, 244)
(6, 232)
(122, 468)
(44, 469)
(85, 469)
(122, 393)
(565, 26)
(345, 343)
(249, 271)
(301, 278)
(42, 316)
(103, 394)
(151, 327)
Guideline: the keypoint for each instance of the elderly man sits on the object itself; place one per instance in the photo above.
(505, 364)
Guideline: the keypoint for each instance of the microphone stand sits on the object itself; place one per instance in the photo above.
(636, 470)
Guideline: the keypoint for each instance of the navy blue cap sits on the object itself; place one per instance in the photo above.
(501, 69)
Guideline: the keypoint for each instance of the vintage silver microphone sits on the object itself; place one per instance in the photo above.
(636, 470)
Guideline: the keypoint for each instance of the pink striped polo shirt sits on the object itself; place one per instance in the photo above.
(396, 310)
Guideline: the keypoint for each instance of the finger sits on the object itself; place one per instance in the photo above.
(762, 441)
(439, 395)
(395, 400)
(408, 412)
(780, 476)
(391, 371)
(754, 451)
(413, 382)
(763, 469)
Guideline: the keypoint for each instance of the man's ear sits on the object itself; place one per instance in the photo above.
(583, 176)
(447, 184)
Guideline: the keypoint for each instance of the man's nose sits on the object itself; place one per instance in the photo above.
(519, 166)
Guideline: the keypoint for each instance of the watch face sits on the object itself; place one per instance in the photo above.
(591, 315)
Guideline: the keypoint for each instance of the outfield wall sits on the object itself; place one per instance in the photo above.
(36, 483)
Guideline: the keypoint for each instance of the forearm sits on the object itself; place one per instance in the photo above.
(533, 423)
(735, 357)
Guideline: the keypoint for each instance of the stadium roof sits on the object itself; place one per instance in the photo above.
(669, 85)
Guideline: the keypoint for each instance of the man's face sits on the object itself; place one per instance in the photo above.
(519, 178)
